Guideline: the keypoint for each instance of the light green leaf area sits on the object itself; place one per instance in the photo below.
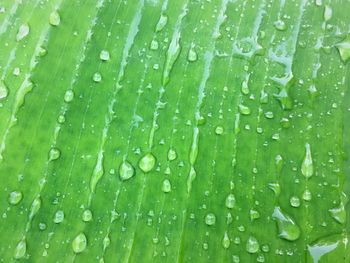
(174, 131)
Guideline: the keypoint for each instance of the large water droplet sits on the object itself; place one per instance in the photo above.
(294, 201)
(21, 249)
(3, 90)
(147, 162)
(219, 130)
(307, 168)
(339, 213)
(171, 56)
(55, 18)
(79, 243)
(23, 31)
(210, 219)
(344, 48)
(15, 197)
(287, 227)
(126, 171)
(252, 245)
(161, 22)
(59, 217)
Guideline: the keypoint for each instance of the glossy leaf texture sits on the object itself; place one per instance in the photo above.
(174, 131)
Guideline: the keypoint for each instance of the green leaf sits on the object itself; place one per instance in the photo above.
(174, 131)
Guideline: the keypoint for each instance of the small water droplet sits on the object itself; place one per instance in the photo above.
(15, 197)
(172, 155)
(307, 196)
(23, 31)
(327, 15)
(16, 72)
(226, 241)
(69, 96)
(287, 227)
(79, 243)
(230, 201)
(307, 168)
(219, 130)
(244, 109)
(147, 162)
(192, 54)
(244, 87)
(54, 154)
(166, 186)
(280, 25)
(254, 214)
(104, 55)
(21, 249)
(97, 77)
(210, 219)
(55, 18)
(154, 45)
(252, 245)
(126, 171)
(294, 201)
(59, 217)
(87, 215)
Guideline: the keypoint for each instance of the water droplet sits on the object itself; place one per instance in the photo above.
(35, 207)
(161, 22)
(285, 123)
(3, 90)
(269, 115)
(55, 18)
(344, 48)
(285, 100)
(154, 45)
(280, 25)
(244, 87)
(104, 55)
(16, 71)
(147, 162)
(192, 54)
(97, 77)
(15, 197)
(42, 52)
(219, 130)
(287, 227)
(254, 214)
(79, 243)
(166, 186)
(244, 109)
(69, 96)
(226, 241)
(294, 201)
(252, 245)
(307, 168)
(172, 155)
(87, 215)
(126, 171)
(339, 213)
(264, 97)
(54, 154)
(230, 201)
(23, 31)
(327, 15)
(59, 217)
(276, 188)
(326, 245)
(106, 242)
(279, 163)
(210, 219)
(307, 196)
(235, 259)
(171, 56)
(21, 249)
